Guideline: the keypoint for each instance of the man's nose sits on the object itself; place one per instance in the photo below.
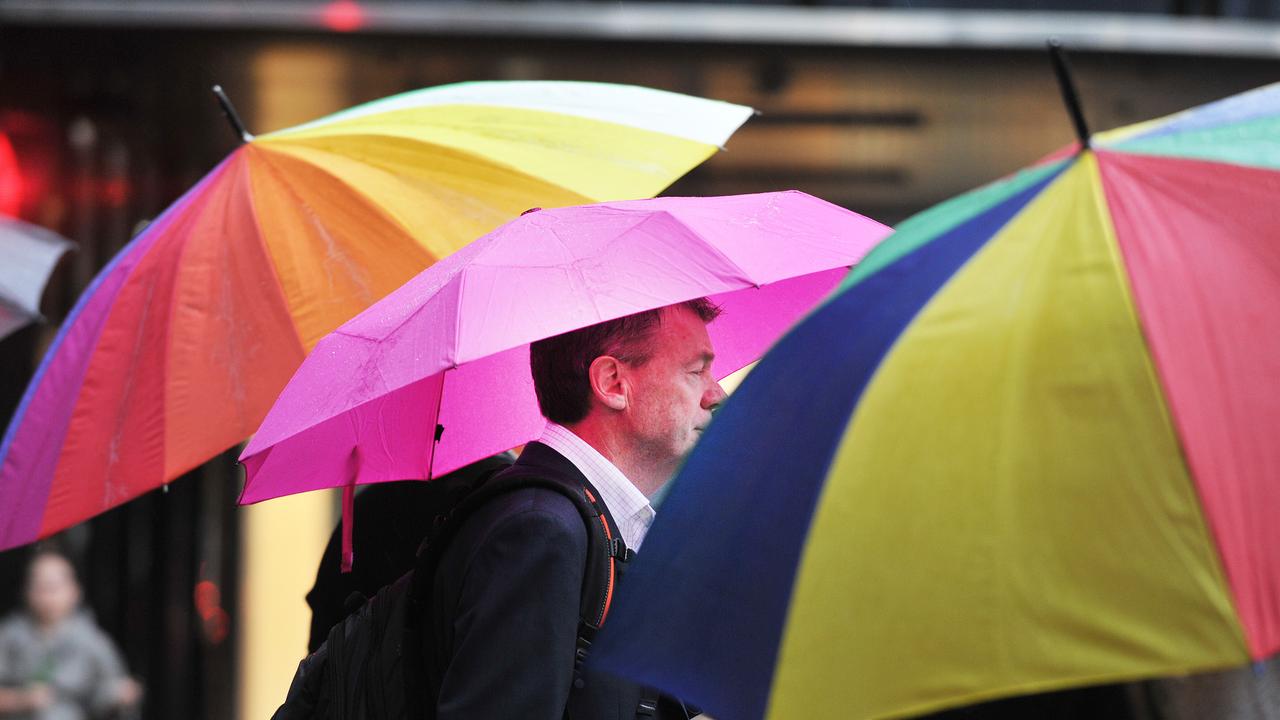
(714, 396)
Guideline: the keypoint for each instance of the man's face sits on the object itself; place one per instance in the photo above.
(672, 395)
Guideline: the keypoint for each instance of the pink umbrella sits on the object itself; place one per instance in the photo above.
(436, 375)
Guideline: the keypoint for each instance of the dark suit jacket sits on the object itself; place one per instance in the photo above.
(506, 605)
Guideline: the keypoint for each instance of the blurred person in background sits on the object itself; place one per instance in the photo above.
(55, 663)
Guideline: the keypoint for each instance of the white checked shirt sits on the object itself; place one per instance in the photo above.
(629, 507)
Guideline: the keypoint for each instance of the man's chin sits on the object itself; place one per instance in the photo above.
(694, 438)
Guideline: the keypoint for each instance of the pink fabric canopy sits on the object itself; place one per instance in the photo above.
(436, 375)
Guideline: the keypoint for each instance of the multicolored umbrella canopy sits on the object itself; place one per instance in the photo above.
(177, 349)
(436, 375)
(28, 254)
(1029, 444)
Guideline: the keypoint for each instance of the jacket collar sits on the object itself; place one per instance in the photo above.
(539, 457)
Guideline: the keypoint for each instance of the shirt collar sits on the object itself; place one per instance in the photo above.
(629, 507)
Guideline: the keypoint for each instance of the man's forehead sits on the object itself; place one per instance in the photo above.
(681, 314)
(682, 330)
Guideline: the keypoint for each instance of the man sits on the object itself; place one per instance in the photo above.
(626, 400)
(54, 661)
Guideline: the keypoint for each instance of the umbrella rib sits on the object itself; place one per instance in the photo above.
(741, 273)
(460, 280)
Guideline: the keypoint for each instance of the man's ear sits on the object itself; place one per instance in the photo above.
(605, 375)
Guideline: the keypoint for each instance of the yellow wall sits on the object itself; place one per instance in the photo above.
(282, 541)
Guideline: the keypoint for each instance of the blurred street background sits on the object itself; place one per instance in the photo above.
(883, 106)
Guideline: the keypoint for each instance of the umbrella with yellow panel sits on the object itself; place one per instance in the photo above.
(1027, 445)
(179, 346)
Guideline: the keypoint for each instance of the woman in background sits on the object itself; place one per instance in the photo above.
(55, 663)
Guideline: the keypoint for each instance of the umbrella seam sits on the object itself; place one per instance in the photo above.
(266, 252)
(453, 352)
(741, 272)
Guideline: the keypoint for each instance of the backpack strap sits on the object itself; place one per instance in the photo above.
(605, 548)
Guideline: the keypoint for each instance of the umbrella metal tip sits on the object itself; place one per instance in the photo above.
(237, 126)
(1066, 84)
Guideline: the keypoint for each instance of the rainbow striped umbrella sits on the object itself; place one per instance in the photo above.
(1030, 443)
(179, 346)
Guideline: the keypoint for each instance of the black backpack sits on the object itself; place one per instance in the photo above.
(371, 666)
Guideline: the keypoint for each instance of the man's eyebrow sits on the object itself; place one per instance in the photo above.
(704, 356)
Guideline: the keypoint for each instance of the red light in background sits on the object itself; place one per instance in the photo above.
(215, 622)
(30, 158)
(208, 598)
(10, 179)
(217, 626)
(343, 16)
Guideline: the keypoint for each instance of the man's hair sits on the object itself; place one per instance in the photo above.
(560, 363)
